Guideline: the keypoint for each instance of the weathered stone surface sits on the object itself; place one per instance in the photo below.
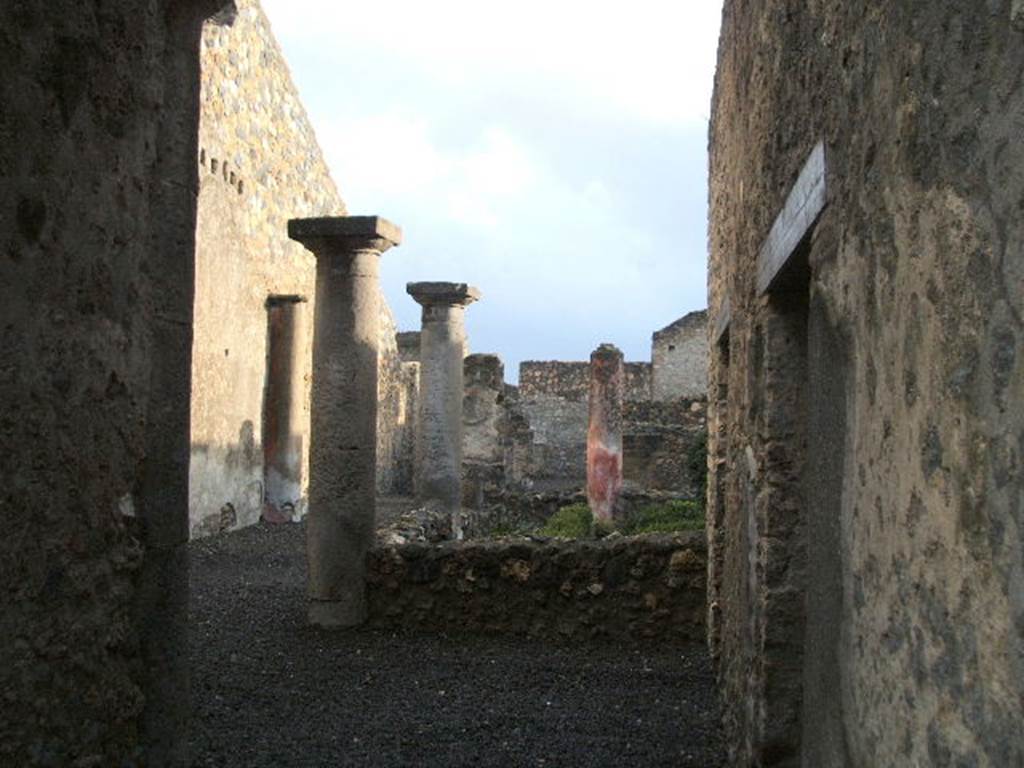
(97, 219)
(626, 588)
(865, 499)
(604, 434)
(541, 440)
(408, 346)
(259, 165)
(658, 443)
(544, 432)
(442, 350)
(343, 439)
(483, 415)
(571, 380)
(679, 359)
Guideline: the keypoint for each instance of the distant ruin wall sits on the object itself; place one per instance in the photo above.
(679, 359)
(259, 165)
(638, 588)
(658, 444)
(537, 442)
(571, 380)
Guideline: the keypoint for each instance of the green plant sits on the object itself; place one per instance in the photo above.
(668, 517)
(697, 465)
(571, 522)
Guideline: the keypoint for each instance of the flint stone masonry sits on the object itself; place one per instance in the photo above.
(259, 164)
(343, 442)
(619, 589)
(442, 349)
(864, 498)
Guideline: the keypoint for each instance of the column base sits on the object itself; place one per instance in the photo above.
(336, 614)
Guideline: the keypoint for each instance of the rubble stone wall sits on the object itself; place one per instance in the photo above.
(658, 439)
(571, 380)
(866, 497)
(543, 432)
(625, 589)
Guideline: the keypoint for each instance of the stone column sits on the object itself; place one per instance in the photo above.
(604, 436)
(343, 425)
(482, 416)
(442, 349)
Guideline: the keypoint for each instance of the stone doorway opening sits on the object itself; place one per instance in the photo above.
(283, 471)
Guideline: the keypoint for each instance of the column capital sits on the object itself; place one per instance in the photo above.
(336, 235)
(431, 294)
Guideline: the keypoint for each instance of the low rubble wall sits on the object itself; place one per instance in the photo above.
(619, 588)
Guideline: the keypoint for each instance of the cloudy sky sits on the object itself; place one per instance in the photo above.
(553, 153)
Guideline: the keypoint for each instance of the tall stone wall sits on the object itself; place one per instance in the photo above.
(259, 165)
(97, 212)
(679, 359)
(866, 496)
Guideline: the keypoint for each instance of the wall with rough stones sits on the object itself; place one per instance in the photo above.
(553, 451)
(866, 496)
(679, 358)
(624, 589)
(551, 414)
(571, 380)
(259, 165)
(657, 441)
(543, 433)
(97, 213)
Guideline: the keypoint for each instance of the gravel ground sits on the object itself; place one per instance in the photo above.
(269, 691)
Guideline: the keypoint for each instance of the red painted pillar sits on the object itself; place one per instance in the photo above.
(604, 436)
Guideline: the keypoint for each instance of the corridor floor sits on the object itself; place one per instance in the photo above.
(269, 691)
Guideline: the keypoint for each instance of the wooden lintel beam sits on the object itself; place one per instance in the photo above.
(803, 206)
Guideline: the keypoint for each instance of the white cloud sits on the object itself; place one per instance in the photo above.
(490, 134)
(388, 156)
(382, 153)
(651, 60)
